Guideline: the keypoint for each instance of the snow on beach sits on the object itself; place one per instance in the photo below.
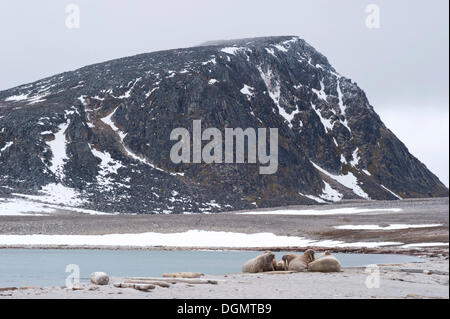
(323, 212)
(191, 238)
(388, 227)
(424, 245)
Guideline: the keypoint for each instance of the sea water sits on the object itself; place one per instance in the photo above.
(47, 267)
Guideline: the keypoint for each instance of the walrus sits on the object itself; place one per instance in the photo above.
(298, 263)
(279, 266)
(261, 263)
(324, 254)
(326, 263)
(288, 258)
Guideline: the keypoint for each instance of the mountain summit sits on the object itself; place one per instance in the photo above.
(99, 136)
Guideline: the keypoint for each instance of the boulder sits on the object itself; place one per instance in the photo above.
(99, 278)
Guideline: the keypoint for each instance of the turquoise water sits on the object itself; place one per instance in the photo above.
(46, 267)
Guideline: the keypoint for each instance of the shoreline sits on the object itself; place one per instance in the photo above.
(426, 251)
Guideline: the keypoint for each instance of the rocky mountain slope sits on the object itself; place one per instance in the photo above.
(98, 137)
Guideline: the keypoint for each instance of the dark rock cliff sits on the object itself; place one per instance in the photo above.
(103, 131)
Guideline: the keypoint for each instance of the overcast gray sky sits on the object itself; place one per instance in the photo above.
(402, 66)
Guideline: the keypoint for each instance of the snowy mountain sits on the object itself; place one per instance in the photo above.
(98, 137)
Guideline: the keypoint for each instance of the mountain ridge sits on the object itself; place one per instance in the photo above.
(110, 124)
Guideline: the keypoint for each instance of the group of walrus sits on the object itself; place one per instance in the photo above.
(293, 262)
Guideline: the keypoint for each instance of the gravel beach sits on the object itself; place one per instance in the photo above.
(316, 227)
(427, 279)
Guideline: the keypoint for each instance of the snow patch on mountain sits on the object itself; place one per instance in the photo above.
(248, 91)
(274, 88)
(108, 166)
(355, 158)
(366, 172)
(7, 145)
(127, 94)
(394, 194)
(23, 206)
(314, 198)
(320, 93)
(342, 106)
(56, 194)
(327, 124)
(348, 180)
(330, 194)
(232, 50)
(58, 150)
(108, 120)
(271, 52)
(19, 97)
(213, 61)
